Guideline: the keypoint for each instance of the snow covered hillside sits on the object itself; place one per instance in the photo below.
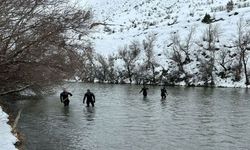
(132, 19)
(129, 20)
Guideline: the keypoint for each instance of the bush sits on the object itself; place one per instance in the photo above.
(207, 19)
(230, 6)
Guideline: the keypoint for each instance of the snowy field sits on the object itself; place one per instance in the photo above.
(7, 139)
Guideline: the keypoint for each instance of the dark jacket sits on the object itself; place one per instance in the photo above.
(64, 96)
(90, 97)
(144, 91)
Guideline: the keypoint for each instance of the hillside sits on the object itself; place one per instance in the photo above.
(129, 20)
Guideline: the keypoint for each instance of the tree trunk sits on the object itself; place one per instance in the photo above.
(153, 70)
(245, 68)
(129, 75)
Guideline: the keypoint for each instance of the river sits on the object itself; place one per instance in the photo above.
(189, 119)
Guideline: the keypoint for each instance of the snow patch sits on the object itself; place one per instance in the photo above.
(7, 139)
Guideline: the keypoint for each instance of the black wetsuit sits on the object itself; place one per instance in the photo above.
(64, 97)
(144, 91)
(163, 93)
(90, 98)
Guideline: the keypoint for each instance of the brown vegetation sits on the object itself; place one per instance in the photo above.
(37, 41)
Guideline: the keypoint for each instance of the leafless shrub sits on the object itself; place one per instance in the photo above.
(129, 55)
(230, 6)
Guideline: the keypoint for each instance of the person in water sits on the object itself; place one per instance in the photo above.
(163, 93)
(64, 97)
(90, 98)
(144, 91)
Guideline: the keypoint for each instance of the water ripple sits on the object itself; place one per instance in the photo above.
(190, 118)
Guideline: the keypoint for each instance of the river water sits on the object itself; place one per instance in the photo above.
(189, 119)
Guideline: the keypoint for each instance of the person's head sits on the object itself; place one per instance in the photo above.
(64, 90)
(88, 90)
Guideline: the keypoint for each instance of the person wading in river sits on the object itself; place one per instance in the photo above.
(144, 91)
(64, 97)
(163, 93)
(90, 98)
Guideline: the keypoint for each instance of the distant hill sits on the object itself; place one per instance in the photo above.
(119, 22)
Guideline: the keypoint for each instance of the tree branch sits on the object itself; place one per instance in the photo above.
(16, 90)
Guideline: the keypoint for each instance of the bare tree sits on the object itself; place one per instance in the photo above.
(243, 44)
(105, 70)
(148, 47)
(210, 37)
(181, 51)
(187, 45)
(225, 61)
(37, 43)
(176, 55)
(112, 74)
(88, 68)
(129, 55)
(102, 68)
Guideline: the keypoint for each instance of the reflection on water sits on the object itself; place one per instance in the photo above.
(189, 118)
(164, 103)
(89, 113)
(65, 111)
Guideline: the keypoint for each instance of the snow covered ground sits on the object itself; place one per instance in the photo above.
(133, 19)
(7, 139)
(129, 20)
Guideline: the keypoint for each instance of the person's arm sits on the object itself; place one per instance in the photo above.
(84, 99)
(93, 97)
(61, 98)
(70, 94)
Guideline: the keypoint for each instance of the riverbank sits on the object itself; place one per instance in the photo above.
(10, 138)
(219, 84)
(7, 139)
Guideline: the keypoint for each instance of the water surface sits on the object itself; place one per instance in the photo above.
(190, 119)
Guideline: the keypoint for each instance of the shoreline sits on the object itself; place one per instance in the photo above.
(236, 85)
(11, 116)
